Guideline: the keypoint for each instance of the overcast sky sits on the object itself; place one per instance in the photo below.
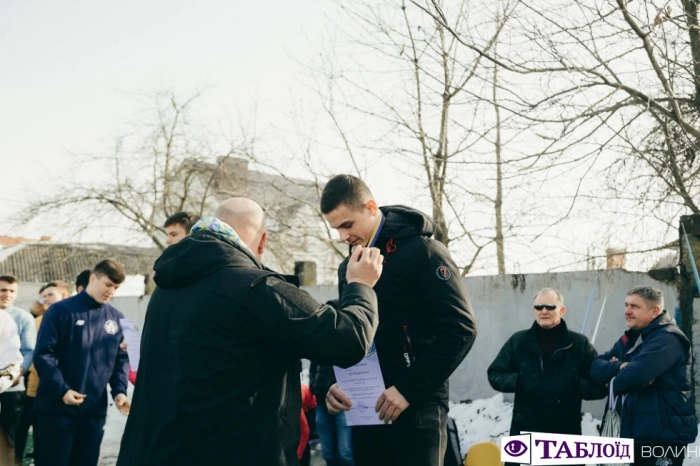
(74, 75)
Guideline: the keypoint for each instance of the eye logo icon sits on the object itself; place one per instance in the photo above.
(515, 448)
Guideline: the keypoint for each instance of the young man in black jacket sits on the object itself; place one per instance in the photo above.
(221, 346)
(426, 325)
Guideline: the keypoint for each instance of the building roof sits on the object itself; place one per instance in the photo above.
(8, 241)
(43, 262)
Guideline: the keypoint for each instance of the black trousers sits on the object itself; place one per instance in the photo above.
(659, 454)
(27, 419)
(418, 437)
(68, 440)
(10, 412)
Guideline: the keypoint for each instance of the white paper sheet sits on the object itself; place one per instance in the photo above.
(132, 337)
(363, 384)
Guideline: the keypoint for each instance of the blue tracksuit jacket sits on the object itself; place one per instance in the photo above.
(78, 348)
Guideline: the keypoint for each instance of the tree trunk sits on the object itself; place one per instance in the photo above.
(500, 249)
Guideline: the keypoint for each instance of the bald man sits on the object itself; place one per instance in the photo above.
(219, 371)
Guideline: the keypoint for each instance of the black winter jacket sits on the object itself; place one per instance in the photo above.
(426, 322)
(220, 358)
(547, 394)
(322, 377)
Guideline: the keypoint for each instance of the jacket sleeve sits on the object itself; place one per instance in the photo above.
(451, 318)
(656, 356)
(293, 322)
(503, 371)
(602, 369)
(119, 380)
(27, 337)
(45, 354)
(590, 389)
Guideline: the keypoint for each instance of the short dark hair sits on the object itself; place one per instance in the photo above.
(112, 269)
(344, 189)
(83, 279)
(184, 219)
(60, 284)
(11, 279)
(652, 296)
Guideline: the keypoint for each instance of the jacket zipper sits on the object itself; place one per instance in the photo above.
(555, 352)
(408, 348)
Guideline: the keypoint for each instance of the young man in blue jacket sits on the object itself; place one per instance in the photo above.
(77, 355)
(648, 368)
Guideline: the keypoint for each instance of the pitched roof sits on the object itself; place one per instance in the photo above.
(43, 262)
(8, 241)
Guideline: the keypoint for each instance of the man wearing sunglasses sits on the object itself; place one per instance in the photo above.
(546, 366)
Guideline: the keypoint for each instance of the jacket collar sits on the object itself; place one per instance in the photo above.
(533, 345)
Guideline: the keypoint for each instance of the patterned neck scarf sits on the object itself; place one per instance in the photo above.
(220, 229)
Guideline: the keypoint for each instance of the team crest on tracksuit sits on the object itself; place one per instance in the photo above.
(111, 327)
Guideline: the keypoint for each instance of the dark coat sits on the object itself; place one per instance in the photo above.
(220, 358)
(547, 394)
(654, 388)
(426, 322)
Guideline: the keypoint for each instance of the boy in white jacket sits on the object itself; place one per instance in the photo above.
(10, 355)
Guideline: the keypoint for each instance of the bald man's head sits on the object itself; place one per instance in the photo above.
(247, 218)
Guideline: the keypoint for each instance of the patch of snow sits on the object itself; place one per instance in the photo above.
(114, 428)
(487, 420)
(483, 420)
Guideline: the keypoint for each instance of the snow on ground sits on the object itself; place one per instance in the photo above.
(114, 428)
(488, 419)
(478, 421)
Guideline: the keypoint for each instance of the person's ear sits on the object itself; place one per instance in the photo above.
(261, 244)
(562, 311)
(372, 206)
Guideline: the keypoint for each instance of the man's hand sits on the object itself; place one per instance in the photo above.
(365, 266)
(73, 398)
(622, 366)
(337, 401)
(18, 377)
(390, 405)
(123, 403)
(122, 345)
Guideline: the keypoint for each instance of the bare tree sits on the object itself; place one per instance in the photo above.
(151, 175)
(171, 162)
(417, 101)
(612, 84)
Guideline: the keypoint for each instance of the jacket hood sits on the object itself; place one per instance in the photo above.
(196, 256)
(402, 222)
(664, 322)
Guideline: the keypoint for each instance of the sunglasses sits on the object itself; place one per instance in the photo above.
(549, 307)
